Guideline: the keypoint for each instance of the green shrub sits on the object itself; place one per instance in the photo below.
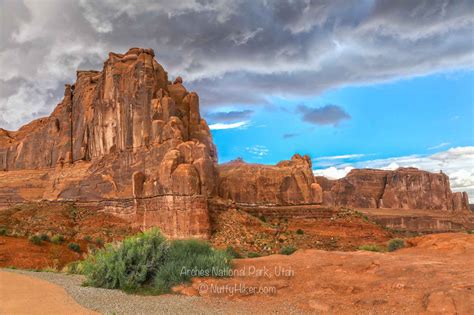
(299, 232)
(35, 239)
(232, 252)
(371, 248)
(253, 255)
(44, 237)
(74, 247)
(57, 239)
(190, 258)
(395, 244)
(470, 231)
(88, 238)
(99, 241)
(149, 261)
(288, 250)
(262, 218)
(3, 231)
(128, 265)
(75, 268)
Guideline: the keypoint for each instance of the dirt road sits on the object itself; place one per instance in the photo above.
(21, 294)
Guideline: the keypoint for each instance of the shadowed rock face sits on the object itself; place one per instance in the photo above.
(404, 188)
(287, 183)
(127, 135)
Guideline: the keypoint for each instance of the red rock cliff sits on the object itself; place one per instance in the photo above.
(125, 139)
(404, 188)
(288, 182)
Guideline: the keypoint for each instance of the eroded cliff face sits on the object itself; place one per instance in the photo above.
(124, 138)
(287, 183)
(404, 188)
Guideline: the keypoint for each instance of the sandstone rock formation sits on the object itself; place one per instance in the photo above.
(404, 188)
(125, 140)
(288, 182)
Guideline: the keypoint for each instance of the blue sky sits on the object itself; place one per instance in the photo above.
(421, 115)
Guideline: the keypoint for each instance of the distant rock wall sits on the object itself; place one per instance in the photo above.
(287, 183)
(124, 132)
(404, 188)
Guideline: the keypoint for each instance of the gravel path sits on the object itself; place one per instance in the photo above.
(107, 301)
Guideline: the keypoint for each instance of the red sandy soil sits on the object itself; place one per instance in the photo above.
(66, 219)
(433, 276)
(345, 231)
(19, 252)
(27, 295)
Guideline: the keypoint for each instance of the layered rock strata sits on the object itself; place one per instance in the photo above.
(126, 137)
(404, 188)
(287, 183)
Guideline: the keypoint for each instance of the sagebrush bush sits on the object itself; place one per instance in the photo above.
(129, 265)
(395, 244)
(299, 232)
(190, 258)
(88, 238)
(35, 239)
(74, 247)
(253, 255)
(57, 239)
(149, 261)
(3, 231)
(288, 250)
(371, 248)
(232, 252)
(44, 237)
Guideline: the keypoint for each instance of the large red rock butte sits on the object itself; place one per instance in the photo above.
(127, 141)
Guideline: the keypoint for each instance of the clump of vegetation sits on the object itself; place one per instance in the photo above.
(299, 232)
(253, 255)
(57, 239)
(288, 250)
(262, 218)
(99, 241)
(44, 237)
(74, 247)
(395, 244)
(3, 231)
(371, 248)
(232, 252)
(88, 238)
(35, 239)
(470, 231)
(190, 258)
(148, 261)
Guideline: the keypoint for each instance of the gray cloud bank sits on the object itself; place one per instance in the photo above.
(231, 52)
(326, 115)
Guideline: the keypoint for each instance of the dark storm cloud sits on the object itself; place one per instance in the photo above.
(232, 116)
(326, 115)
(231, 52)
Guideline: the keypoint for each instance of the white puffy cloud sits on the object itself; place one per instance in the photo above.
(223, 126)
(457, 163)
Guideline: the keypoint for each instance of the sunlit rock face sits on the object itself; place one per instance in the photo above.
(286, 183)
(404, 188)
(124, 138)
